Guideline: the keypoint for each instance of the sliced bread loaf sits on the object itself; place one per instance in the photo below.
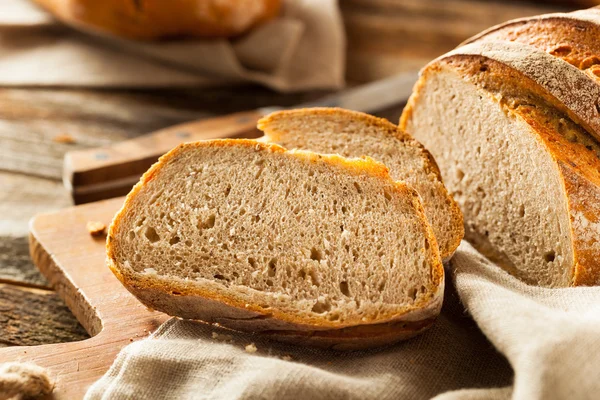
(354, 134)
(305, 247)
(514, 125)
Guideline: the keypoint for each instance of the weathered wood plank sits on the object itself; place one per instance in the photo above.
(22, 196)
(31, 317)
(15, 263)
(30, 119)
(391, 36)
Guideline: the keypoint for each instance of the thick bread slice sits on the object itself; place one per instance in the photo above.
(354, 134)
(310, 248)
(522, 166)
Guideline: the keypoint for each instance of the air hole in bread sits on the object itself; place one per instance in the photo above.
(344, 210)
(344, 288)
(460, 174)
(188, 243)
(315, 254)
(221, 277)
(252, 262)
(321, 307)
(272, 267)
(521, 211)
(208, 223)
(387, 196)
(227, 190)
(255, 218)
(381, 286)
(412, 293)
(174, 240)
(334, 317)
(151, 235)
(550, 256)
(131, 235)
(314, 278)
(358, 188)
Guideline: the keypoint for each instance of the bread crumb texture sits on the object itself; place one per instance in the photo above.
(297, 236)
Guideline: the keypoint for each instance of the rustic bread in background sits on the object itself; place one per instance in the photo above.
(309, 248)
(354, 134)
(158, 19)
(513, 122)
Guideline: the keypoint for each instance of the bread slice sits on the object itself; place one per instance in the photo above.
(354, 134)
(509, 126)
(305, 247)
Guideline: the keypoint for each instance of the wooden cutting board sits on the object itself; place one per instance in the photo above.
(74, 263)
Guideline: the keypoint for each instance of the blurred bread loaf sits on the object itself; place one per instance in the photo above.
(157, 19)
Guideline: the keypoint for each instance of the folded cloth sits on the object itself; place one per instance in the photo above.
(302, 49)
(549, 336)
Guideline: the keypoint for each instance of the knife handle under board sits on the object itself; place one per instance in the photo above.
(110, 171)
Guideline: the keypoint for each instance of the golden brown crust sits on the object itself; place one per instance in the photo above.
(187, 300)
(574, 150)
(156, 19)
(429, 161)
(571, 39)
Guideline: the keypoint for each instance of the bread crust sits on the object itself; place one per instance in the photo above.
(186, 299)
(578, 166)
(157, 19)
(430, 165)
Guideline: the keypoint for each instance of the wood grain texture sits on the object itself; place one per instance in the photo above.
(30, 119)
(34, 316)
(390, 36)
(23, 196)
(15, 264)
(74, 263)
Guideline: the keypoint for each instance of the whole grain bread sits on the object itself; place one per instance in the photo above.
(158, 19)
(514, 125)
(309, 248)
(354, 134)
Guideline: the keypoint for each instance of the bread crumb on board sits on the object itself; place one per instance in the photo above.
(64, 138)
(96, 228)
(286, 358)
(220, 336)
(251, 348)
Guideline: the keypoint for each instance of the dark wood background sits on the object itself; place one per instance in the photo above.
(384, 37)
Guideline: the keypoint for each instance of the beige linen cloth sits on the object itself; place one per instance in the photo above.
(302, 49)
(550, 337)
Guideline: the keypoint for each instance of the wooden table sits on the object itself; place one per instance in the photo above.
(385, 36)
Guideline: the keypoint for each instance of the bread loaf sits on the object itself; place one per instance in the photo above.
(354, 134)
(157, 19)
(310, 248)
(512, 118)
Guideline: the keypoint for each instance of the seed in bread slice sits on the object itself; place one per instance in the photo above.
(354, 134)
(311, 248)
